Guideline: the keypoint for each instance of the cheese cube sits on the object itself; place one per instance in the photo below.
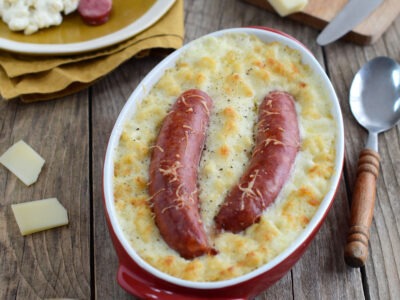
(23, 161)
(287, 7)
(39, 215)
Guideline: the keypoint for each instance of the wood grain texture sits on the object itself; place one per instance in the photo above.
(51, 263)
(318, 13)
(107, 102)
(382, 268)
(362, 208)
(79, 262)
(330, 278)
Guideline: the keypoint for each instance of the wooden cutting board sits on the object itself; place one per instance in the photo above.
(318, 13)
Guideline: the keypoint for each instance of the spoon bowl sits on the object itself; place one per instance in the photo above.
(375, 94)
(375, 103)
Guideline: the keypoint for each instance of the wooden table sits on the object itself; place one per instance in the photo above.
(79, 262)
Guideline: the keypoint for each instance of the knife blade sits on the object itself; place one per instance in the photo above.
(349, 17)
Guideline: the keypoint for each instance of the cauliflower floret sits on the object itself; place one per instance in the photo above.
(31, 15)
(70, 6)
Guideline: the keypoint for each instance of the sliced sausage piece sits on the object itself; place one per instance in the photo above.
(276, 146)
(173, 174)
(95, 12)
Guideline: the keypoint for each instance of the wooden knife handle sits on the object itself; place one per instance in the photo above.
(362, 208)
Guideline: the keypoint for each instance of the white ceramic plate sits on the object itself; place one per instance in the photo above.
(37, 43)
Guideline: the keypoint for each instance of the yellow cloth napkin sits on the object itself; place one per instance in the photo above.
(35, 78)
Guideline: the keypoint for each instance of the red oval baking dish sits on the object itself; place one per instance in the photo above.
(141, 279)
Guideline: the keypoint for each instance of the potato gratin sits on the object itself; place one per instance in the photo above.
(237, 71)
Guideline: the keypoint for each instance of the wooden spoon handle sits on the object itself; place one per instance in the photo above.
(362, 208)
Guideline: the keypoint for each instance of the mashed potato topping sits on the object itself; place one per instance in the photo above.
(237, 71)
(31, 15)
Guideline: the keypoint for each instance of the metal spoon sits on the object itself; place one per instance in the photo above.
(375, 103)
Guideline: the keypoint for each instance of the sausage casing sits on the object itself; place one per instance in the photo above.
(276, 146)
(173, 174)
(95, 12)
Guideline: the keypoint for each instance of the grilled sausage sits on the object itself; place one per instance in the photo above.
(173, 174)
(95, 12)
(276, 147)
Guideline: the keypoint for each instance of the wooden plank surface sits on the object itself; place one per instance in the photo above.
(79, 262)
(106, 108)
(383, 262)
(52, 263)
(318, 13)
